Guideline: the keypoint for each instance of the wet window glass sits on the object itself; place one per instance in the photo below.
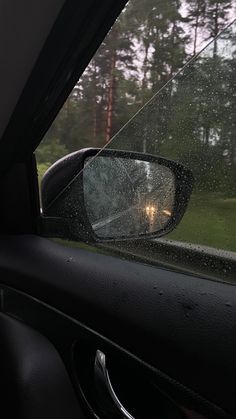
(147, 91)
(193, 121)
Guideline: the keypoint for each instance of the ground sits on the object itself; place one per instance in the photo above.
(209, 220)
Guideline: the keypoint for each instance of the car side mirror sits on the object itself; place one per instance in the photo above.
(117, 195)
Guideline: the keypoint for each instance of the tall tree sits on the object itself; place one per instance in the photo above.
(216, 17)
(196, 19)
(148, 44)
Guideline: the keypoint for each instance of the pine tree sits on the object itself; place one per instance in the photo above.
(196, 19)
(216, 17)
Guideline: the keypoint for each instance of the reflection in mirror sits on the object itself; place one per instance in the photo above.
(127, 197)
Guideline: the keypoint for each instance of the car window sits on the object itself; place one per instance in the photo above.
(190, 119)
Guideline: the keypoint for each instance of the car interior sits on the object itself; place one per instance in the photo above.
(84, 334)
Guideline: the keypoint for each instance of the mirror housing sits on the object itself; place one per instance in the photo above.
(119, 195)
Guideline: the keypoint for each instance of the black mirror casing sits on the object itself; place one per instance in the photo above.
(64, 212)
(58, 218)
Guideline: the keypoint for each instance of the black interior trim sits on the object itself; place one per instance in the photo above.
(34, 382)
(78, 31)
(181, 325)
(20, 209)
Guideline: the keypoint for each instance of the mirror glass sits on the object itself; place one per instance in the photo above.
(127, 197)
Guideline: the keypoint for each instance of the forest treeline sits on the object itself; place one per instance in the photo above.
(195, 114)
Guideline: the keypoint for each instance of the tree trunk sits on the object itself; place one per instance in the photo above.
(172, 69)
(216, 28)
(196, 29)
(144, 79)
(207, 135)
(110, 98)
(94, 134)
(111, 85)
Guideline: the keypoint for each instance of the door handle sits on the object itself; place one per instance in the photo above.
(106, 396)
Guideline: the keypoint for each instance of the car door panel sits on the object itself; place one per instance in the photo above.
(165, 327)
(153, 393)
(34, 381)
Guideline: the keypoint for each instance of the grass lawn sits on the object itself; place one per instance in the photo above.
(209, 220)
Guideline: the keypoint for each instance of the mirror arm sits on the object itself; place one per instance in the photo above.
(51, 226)
(64, 228)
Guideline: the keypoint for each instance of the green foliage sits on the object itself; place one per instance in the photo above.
(50, 151)
(42, 168)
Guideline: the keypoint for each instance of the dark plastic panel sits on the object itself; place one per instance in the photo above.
(34, 381)
(182, 325)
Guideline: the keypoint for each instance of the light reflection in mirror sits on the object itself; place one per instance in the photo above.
(127, 197)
